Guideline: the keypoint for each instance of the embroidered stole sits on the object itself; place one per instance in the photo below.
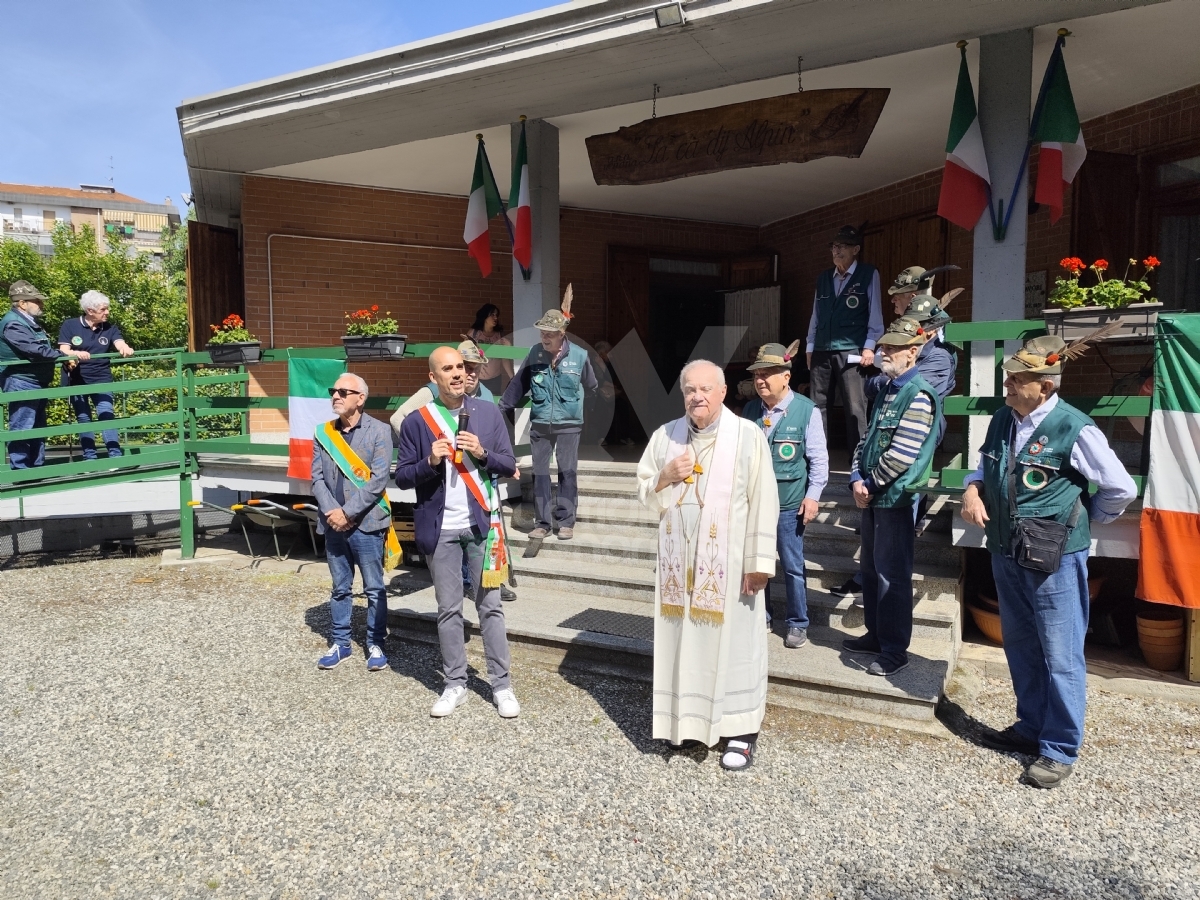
(357, 473)
(700, 584)
(442, 422)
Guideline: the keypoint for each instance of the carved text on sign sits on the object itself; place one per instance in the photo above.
(791, 128)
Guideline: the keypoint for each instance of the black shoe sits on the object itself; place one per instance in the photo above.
(796, 637)
(468, 593)
(885, 667)
(864, 644)
(1008, 741)
(849, 589)
(507, 593)
(1046, 773)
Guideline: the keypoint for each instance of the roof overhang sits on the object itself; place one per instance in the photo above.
(579, 58)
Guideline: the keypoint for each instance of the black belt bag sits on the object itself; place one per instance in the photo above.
(1037, 544)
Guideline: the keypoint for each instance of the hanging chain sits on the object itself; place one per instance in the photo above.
(799, 73)
(654, 104)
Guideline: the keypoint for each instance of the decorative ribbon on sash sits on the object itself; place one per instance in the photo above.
(441, 422)
(358, 473)
(697, 577)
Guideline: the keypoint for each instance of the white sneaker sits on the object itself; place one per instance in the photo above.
(506, 704)
(452, 698)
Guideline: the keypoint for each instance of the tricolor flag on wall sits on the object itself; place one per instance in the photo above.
(1169, 567)
(965, 179)
(1056, 128)
(518, 205)
(309, 381)
(483, 204)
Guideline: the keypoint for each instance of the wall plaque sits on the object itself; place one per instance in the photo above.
(789, 128)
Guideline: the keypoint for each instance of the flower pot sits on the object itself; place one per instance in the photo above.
(1161, 639)
(380, 346)
(241, 353)
(988, 622)
(1136, 321)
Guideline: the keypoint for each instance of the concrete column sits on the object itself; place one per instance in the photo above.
(998, 277)
(533, 297)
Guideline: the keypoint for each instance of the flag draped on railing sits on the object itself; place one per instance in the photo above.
(1169, 564)
(483, 204)
(965, 179)
(309, 381)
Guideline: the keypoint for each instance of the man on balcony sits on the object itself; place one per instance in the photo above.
(27, 363)
(94, 333)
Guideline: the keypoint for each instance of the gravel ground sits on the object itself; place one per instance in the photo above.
(165, 733)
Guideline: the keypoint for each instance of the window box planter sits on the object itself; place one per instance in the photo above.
(1137, 321)
(380, 346)
(240, 353)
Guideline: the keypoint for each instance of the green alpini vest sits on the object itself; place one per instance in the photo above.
(842, 318)
(42, 370)
(1047, 485)
(556, 392)
(788, 448)
(880, 433)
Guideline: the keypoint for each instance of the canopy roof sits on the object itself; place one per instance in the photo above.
(406, 117)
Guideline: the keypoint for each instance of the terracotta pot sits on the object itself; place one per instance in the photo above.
(1164, 662)
(988, 603)
(989, 623)
(1160, 637)
(1161, 626)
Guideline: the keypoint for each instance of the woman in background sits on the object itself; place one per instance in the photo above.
(495, 373)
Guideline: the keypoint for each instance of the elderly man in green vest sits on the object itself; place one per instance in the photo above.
(792, 427)
(1030, 494)
(27, 362)
(893, 458)
(556, 374)
(847, 320)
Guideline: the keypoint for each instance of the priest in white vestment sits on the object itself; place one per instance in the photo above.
(709, 478)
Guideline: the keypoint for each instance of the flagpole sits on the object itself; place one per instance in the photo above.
(1055, 56)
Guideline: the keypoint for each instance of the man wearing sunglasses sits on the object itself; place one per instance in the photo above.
(355, 522)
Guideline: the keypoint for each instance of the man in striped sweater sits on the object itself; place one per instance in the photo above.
(892, 459)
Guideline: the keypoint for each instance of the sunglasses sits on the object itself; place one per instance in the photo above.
(343, 392)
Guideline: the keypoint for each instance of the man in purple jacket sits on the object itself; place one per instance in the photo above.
(451, 452)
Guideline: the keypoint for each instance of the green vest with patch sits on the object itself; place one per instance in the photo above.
(787, 443)
(882, 429)
(842, 319)
(1048, 487)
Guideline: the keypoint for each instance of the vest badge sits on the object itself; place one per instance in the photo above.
(852, 302)
(77, 341)
(1035, 479)
(787, 451)
(1035, 449)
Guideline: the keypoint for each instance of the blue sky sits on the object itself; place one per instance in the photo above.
(87, 80)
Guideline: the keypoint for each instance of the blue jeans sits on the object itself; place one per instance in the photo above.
(344, 550)
(1045, 619)
(23, 415)
(104, 413)
(789, 541)
(888, 536)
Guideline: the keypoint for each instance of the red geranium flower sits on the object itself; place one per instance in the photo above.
(375, 308)
(1151, 262)
(1100, 265)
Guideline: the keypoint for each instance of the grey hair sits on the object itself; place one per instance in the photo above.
(93, 300)
(362, 384)
(1055, 380)
(696, 363)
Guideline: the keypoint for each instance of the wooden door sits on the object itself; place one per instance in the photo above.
(1104, 224)
(628, 294)
(214, 280)
(916, 240)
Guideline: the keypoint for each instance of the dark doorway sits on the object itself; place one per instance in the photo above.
(685, 298)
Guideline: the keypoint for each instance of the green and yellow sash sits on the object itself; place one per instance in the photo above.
(358, 472)
(441, 422)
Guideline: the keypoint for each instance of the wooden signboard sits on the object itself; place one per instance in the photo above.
(790, 128)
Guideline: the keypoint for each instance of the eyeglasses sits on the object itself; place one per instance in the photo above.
(343, 392)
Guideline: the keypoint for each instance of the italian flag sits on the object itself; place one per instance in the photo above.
(965, 179)
(309, 381)
(1056, 128)
(1169, 567)
(484, 203)
(518, 206)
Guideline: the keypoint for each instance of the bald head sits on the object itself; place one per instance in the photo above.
(447, 370)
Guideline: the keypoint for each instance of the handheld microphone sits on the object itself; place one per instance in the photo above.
(464, 421)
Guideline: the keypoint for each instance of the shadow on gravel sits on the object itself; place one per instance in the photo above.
(963, 725)
(624, 696)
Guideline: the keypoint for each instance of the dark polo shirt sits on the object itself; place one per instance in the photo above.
(79, 335)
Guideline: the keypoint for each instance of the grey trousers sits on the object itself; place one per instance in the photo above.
(830, 372)
(445, 564)
(564, 442)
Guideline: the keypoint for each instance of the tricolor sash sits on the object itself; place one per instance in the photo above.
(358, 472)
(442, 422)
(700, 585)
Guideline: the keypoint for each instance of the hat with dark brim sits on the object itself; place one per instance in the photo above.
(23, 290)
(904, 332)
(908, 280)
(848, 235)
(774, 356)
